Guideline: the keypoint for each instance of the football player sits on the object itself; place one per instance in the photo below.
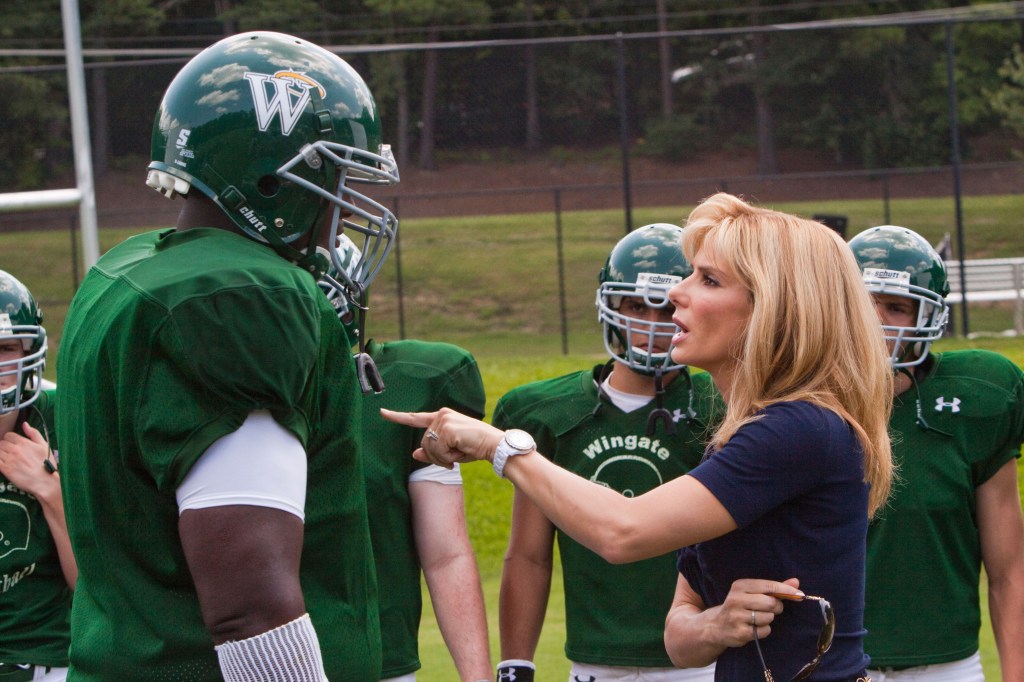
(417, 516)
(958, 424)
(36, 561)
(630, 424)
(208, 400)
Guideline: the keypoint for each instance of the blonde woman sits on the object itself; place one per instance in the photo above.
(776, 312)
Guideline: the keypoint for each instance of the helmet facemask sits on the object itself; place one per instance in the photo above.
(341, 285)
(27, 370)
(344, 286)
(644, 264)
(621, 329)
(909, 345)
(352, 211)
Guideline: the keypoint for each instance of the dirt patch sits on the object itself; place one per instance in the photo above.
(537, 184)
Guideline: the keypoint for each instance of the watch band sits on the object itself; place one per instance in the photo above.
(515, 442)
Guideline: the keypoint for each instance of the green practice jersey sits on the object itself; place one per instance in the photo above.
(615, 614)
(171, 341)
(35, 600)
(924, 554)
(419, 377)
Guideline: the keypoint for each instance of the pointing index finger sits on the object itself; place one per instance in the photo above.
(416, 419)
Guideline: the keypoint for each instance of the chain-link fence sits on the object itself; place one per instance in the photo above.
(581, 139)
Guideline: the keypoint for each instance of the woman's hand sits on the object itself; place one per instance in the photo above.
(450, 436)
(752, 603)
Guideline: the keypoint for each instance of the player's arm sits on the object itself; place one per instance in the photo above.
(525, 580)
(21, 461)
(241, 529)
(449, 567)
(1001, 531)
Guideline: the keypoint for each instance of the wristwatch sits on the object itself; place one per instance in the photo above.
(515, 442)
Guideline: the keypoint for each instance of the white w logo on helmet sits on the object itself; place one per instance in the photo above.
(291, 95)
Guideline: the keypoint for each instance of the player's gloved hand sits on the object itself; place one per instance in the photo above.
(516, 670)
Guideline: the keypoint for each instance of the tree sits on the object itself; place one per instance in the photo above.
(1008, 100)
(35, 132)
(431, 16)
(104, 22)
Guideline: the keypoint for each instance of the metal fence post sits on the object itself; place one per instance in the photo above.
(563, 317)
(954, 139)
(627, 184)
(398, 276)
(1018, 304)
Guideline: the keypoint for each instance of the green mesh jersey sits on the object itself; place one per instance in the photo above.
(924, 558)
(171, 341)
(34, 597)
(615, 614)
(418, 376)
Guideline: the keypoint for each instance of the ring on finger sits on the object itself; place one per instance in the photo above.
(432, 435)
(753, 618)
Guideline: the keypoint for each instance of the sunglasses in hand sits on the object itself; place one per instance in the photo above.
(828, 630)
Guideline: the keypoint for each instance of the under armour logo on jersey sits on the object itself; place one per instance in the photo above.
(290, 96)
(941, 403)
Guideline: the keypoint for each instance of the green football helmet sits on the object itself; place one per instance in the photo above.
(900, 262)
(22, 320)
(646, 263)
(276, 131)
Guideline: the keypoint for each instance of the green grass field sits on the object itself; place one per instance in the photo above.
(491, 284)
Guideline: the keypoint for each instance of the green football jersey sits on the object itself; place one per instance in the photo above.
(924, 554)
(615, 614)
(35, 600)
(171, 341)
(419, 377)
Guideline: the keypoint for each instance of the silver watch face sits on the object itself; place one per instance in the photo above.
(519, 440)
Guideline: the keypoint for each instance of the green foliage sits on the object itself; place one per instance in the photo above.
(426, 12)
(31, 22)
(1008, 99)
(31, 138)
(295, 16)
(672, 139)
(874, 97)
(119, 18)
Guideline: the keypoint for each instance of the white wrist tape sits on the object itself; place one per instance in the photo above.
(289, 653)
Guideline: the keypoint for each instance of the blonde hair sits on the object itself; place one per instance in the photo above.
(813, 333)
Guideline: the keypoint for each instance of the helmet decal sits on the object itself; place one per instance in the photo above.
(899, 278)
(291, 95)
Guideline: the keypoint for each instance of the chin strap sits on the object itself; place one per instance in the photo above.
(921, 421)
(659, 413)
(605, 372)
(370, 380)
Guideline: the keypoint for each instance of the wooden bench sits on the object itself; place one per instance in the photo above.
(989, 280)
